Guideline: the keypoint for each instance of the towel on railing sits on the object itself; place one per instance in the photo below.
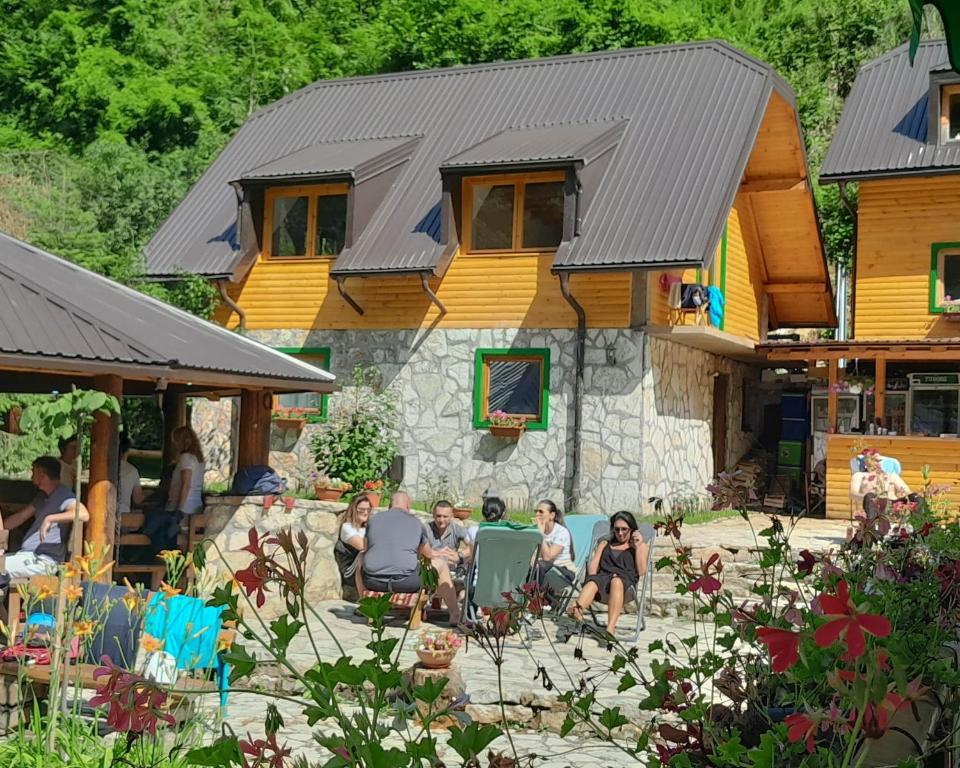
(716, 302)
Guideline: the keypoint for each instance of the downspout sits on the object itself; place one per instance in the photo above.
(346, 296)
(225, 297)
(577, 221)
(851, 316)
(434, 299)
(572, 489)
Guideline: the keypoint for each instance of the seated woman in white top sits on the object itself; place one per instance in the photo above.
(186, 485)
(352, 540)
(556, 551)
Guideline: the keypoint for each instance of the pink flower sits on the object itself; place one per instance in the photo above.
(135, 703)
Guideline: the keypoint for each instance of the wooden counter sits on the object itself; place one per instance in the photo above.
(942, 455)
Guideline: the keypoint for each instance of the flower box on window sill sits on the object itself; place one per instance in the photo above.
(507, 433)
(289, 423)
(952, 317)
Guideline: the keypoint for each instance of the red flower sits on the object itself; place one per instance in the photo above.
(784, 646)
(708, 583)
(135, 703)
(848, 623)
(806, 562)
(876, 717)
(801, 728)
(255, 547)
(253, 578)
(266, 752)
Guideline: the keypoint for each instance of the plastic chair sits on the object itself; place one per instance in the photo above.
(191, 632)
(502, 558)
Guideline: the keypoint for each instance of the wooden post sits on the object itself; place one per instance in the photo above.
(764, 315)
(880, 392)
(254, 443)
(174, 415)
(833, 381)
(104, 472)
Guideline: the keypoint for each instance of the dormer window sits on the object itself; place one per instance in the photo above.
(950, 113)
(305, 221)
(513, 213)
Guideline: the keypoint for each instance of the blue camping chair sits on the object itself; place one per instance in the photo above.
(190, 631)
(586, 531)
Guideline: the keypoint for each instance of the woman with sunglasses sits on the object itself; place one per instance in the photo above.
(616, 564)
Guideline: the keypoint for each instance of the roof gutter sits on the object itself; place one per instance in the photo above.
(434, 299)
(850, 328)
(341, 289)
(572, 482)
(225, 298)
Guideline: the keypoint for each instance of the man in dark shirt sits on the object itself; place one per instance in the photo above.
(53, 511)
(391, 563)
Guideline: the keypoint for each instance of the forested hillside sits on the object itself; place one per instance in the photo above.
(109, 111)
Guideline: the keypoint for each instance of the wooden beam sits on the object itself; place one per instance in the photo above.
(764, 316)
(880, 391)
(918, 354)
(788, 184)
(806, 288)
(254, 441)
(833, 380)
(104, 474)
(174, 415)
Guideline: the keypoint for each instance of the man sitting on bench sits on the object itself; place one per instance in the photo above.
(52, 510)
(395, 538)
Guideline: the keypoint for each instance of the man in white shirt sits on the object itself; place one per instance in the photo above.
(129, 492)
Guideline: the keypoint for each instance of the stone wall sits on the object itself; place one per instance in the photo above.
(230, 519)
(646, 426)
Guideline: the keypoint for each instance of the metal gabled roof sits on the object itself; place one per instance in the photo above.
(52, 309)
(692, 114)
(545, 144)
(883, 127)
(357, 159)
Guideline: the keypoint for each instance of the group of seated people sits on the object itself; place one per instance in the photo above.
(53, 509)
(380, 553)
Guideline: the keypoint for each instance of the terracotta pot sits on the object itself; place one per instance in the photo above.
(507, 433)
(462, 513)
(436, 659)
(327, 494)
(373, 498)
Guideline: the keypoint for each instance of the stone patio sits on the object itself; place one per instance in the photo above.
(535, 711)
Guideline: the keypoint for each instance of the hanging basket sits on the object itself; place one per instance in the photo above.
(506, 433)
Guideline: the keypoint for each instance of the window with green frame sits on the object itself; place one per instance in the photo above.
(944, 275)
(313, 403)
(515, 381)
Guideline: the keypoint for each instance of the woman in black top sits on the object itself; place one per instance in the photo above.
(616, 564)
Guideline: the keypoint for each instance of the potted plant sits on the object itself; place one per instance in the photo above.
(437, 649)
(373, 490)
(951, 309)
(330, 488)
(507, 426)
(462, 510)
(290, 418)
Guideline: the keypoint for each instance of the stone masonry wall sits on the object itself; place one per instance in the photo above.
(646, 426)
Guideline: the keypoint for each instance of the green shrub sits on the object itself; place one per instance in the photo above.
(361, 440)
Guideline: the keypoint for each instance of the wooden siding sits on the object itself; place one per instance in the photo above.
(743, 283)
(502, 291)
(941, 455)
(899, 219)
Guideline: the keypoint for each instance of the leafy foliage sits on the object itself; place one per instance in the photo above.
(107, 117)
(361, 442)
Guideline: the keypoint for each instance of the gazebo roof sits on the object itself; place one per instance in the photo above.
(60, 320)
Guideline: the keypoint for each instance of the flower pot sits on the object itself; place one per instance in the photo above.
(462, 513)
(951, 317)
(328, 494)
(290, 423)
(373, 498)
(288, 503)
(507, 433)
(436, 659)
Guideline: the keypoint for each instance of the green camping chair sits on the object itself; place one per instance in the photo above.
(502, 558)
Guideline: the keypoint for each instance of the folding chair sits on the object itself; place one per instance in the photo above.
(587, 531)
(502, 560)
